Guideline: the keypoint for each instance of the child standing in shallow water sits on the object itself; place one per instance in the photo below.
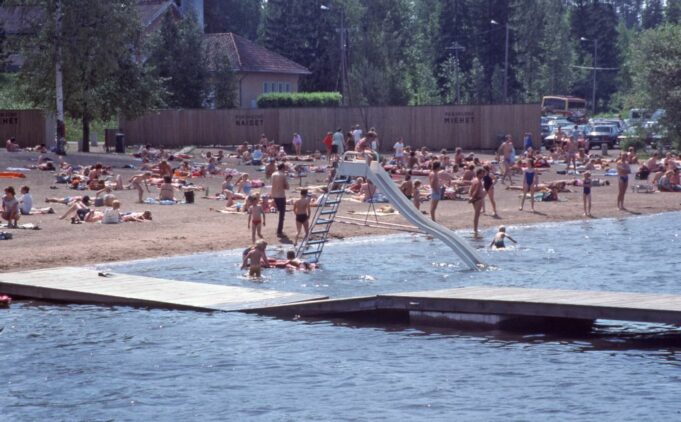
(498, 241)
(587, 194)
(417, 194)
(256, 218)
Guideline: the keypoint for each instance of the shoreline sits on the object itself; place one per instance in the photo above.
(189, 229)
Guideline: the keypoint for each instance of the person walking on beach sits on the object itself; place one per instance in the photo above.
(279, 188)
(586, 183)
(623, 172)
(301, 209)
(530, 181)
(337, 143)
(488, 181)
(297, 143)
(505, 153)
(435, 187)
(476, 196)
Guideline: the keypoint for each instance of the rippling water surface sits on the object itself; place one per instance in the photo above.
(83, 362)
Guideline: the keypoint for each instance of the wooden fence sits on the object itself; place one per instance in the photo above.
(29, 127)
(476, 127)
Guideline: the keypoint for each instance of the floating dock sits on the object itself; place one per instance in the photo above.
(489, 306)
(500, 306)
(80, 285)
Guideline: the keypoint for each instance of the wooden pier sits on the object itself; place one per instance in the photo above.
(495, 306)
(499, 305)
(80, 285)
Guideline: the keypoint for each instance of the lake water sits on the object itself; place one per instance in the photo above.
(82, 362)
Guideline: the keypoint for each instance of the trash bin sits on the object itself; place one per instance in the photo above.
(604, 149)
(120, 143)
(189, 196)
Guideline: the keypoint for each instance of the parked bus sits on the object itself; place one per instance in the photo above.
(571, 107)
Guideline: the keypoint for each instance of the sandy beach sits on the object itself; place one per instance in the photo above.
(189, 228)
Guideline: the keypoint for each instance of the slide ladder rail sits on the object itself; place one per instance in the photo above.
(310, 249)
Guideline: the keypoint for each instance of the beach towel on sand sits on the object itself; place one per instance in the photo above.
(25, 226)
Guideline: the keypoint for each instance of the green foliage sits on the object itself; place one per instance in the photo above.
(299, 99)
(224, 84)
(10, 96)
(652, 15)
(597, 22)
(177, 55)
(656, 65)
(241, 17)
(637, 143)
(100, 77)
(672, 12)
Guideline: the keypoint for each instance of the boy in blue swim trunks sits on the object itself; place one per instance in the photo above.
(437, 190)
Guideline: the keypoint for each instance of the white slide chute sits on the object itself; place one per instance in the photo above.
(380, 178)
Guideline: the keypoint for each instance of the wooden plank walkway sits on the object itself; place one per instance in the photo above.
(508, 301)
(80, 285)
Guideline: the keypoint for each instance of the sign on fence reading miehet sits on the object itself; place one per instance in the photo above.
(459, 117)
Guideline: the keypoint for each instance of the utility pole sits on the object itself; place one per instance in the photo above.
(593, 90)
(343, 59)
(506, 66)
(58, 76)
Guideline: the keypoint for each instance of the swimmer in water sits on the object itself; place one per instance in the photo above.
(498, 241)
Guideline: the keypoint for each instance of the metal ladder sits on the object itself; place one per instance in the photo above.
(311, 247)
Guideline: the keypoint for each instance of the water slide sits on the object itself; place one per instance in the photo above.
(387, 187)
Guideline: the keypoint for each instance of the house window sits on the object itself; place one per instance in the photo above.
(288, 87)
(281, 87)
(265, 88)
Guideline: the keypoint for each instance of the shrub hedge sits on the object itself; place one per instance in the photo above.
(299, 99)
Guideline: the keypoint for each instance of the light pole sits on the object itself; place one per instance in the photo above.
(594, 67)
(493, 22)
(457, 47)
(343, 55)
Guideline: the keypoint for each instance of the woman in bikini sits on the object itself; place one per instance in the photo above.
(477, 195)
(530, 180)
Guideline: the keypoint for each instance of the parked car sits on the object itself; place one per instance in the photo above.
(603, 134)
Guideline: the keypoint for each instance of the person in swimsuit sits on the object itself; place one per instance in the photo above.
(623, 171)
(10, 207)
(488, 181)
(301, 208)
(417, 195)
(477, 195)
(435, 187)
(136, 182)
(256, 217)
(255, 258)
(167, 190)
(498, 241)
(297, 142)
(586, 183)
(407, 186)
(530, 181)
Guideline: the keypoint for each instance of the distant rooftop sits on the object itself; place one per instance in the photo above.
(246, 56)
